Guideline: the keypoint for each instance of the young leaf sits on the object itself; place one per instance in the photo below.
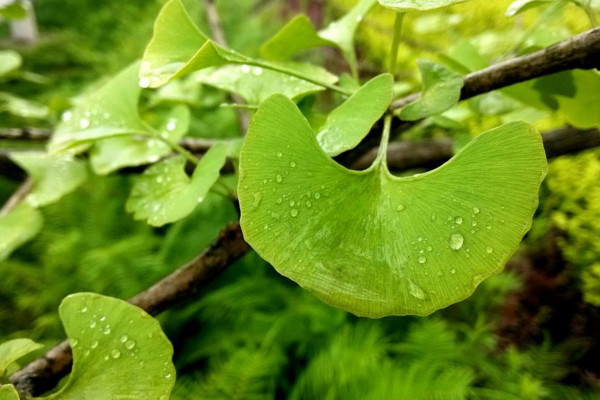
(255, 84)
(441, 91)
(178, 48)
(107, 112)
(348, 124)
(112, 154)
(21, 107)
(164, 193)
(20, 225)
(10, 61)
(576, 109)
(375, 244)
(12, 350)
(417, 5)
(8, 392)
(119, 351)
(299, 34)
(518, 6)
(53, 175)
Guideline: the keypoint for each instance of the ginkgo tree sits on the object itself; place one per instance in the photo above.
(368, 242)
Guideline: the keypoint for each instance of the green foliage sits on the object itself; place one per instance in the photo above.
(10, 61)
(417, 5)
(12, 350)
(8, 392)
(18, 226)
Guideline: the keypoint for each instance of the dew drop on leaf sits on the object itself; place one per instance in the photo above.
(130, 344)
(453, 271)
(489, 250)
(94, 344)
(124, 338)
(294, 212)
(422, 259)
(279, 178)
(475, 210)
(317, 196)
(400, 207)
(456, 241)
(458, 220)
(115, 353)
(416, 291)
(73, 342)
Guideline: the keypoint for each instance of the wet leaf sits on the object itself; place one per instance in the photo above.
(441, 91)
(348, 124)
(17, 227)
(375, 244)
(164, 193)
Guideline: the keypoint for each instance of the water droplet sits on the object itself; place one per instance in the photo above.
(292, 203)
(257, 71)
(420, 239)
(102, 319)
(124, 338)
(94, 344)
(473, 223)
(84, 123)
(429, 248)
(308, 204)
(458, 220)
(279, 154)
(115, 353)
(317, 196)
(358, 18)
(84, 309)
(144, 82)
(92, 324)
(168, 376)
(422, 259)
(130, 344)
(416, 291)
(200, 199)
(257, 199)
(293, 164)
(106, 330)
(433, 217)
(105, 358)
(456, 241)
(156, 207)
(67, 116)
(245, 68)
(400, 207)
(294, 212)
(279, 200)
(73, 342)
(488, 227)
(489, 249)
(475, 210)
(452, 271)
(279, 178)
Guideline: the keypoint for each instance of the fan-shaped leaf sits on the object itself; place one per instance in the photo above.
(10, 61)
(375, 244)
(164, 193)
(53, 175)
(112, 154)
(12, 350)
(8, 392)
(348, 124)
(107, 112)
(417, 5)
(20, 225)
(441, 91)
(576, 109)
(119, 351)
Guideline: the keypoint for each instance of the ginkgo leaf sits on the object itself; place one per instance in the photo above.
(10, 61)
(518, 6)
(178, 48)
(441, 91)
(348, 124)
(53, 175)
(255, 84)
(576, 109)
(112, 154)
(375, 244)
(8, 392)
(164, 193)
(299, 34)
(20, 225)
(119, 351)
(12, 350)
(21, 107)
(417, 5)
(106, 112)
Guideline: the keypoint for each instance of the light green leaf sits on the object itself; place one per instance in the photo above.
(20, 225)
(8, 392)
(53, 175)
(164, 193)
(348, 124)
(375, 244)
(518, 6)
(119, 351)
(10, 61)
(255, 84)
(299, 34)
(12, 350)
(22, 107)
(178, 48)
(109, 111)
(417, 5)
(577, 109)
(441, 91)
(13, 9)
(112, 154)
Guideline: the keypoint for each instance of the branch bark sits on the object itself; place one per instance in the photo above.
(581, 51)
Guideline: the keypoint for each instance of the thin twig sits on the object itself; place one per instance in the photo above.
(17, 197)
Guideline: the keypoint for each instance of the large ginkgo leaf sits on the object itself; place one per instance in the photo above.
(8, 392)
(375, 244)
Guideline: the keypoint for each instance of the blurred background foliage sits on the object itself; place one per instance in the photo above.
(527, 334)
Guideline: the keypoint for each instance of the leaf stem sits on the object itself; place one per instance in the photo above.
(385, 138)
(176, 147)
(396, 42)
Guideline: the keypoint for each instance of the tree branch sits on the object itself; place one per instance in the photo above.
(44, 373)
(581, 51)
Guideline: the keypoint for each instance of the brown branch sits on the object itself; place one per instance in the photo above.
(43, 374)
(581, 51)
(434, 152)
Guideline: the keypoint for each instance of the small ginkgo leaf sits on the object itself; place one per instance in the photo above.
(112, 154)
(164, 193)
(417, 5)
(8, 392)
(178, 48)
(12, 350)
(441, 91)
(348, 124)
(255, 84)
(299, 34)
(576, 109)
(21, 107)
(17, 227)
(518, 6)
(374, 244)
(10, 61)
(119, 351)
(107, 112)
(53, 175)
